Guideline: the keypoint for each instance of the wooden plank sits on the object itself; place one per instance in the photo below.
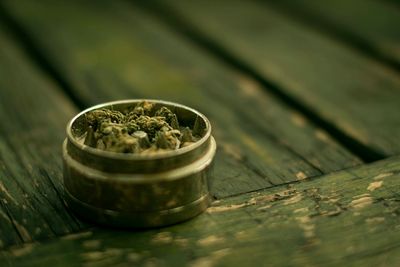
(345, 88)
(110, 51)
(370, 24)
(349, 218)
(33, 115)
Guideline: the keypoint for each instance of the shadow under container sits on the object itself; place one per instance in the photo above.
(138, 190)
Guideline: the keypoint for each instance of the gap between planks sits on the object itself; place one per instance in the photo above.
(37, 56)
(325, 27)
(199, 38)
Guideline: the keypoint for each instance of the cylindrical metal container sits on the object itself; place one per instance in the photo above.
(138, 190)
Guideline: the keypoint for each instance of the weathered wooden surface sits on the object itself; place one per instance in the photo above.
(112, 50)
(105, 50)
(348, 89)
(349, 218)
(33, 117)
(367, 24)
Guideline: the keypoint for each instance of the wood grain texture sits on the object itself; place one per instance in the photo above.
(348, 218)
(372, 24)
(111, 50)
(33, 117)
(357, 94)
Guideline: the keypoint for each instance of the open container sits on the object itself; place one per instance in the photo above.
(138, 190)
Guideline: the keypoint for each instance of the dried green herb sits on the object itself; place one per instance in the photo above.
(136, 130)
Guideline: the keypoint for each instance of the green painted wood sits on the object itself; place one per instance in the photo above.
(374, 23)
(33, 116)
(348, 89)
(348, 218)
(111, 50)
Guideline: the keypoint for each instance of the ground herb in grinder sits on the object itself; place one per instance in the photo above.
(138, 129)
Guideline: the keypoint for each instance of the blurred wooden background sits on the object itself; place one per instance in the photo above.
(303, 96)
